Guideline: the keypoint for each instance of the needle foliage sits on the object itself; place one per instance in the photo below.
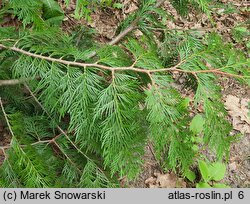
(81, 121)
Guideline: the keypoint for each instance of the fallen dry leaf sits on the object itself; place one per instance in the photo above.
(151, 182)
(130, 6)
(238, 110)
(165, 181)
(104, 23)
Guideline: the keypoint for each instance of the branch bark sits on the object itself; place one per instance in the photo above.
(131, 27)
(125, 32)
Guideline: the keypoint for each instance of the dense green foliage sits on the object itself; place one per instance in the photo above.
(83, 121)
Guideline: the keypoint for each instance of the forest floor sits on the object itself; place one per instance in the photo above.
(224, 18)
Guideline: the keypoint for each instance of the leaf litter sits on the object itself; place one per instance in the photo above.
(169, 180)
(239, 112)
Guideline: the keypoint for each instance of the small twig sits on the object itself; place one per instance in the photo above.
(215, 71)
(12, 82)
(8, 124)
(6, 118)
(242, 4)
(124, 33)
(196, 77)
(151, 78)
(34, 143)
(188, 29)
(45, 141)
(134, 63)
(67, 157)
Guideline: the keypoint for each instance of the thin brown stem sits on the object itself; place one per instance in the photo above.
(125, 32)
(132, 26)
(215, 71)
(6, 118)
(35, 143)
(32, 144)
(67, 157)
(12, 82)
(39, 142)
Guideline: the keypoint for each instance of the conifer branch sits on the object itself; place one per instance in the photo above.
(130, 68)
(39, 142)
(60, 129)
(115, 104)
(29, 161)
(53, 140)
